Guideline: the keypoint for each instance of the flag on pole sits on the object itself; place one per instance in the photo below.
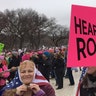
(80, 81)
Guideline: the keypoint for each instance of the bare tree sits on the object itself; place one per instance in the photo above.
(3, 21)
(58, 33)
(26, 28)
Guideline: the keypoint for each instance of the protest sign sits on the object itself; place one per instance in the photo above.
(82, 37)
(1, 47)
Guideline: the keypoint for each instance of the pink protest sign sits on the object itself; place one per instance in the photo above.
(82, 37)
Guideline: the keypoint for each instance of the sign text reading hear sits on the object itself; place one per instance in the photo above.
(82, 27)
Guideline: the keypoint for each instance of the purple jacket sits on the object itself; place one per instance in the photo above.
(39, 93)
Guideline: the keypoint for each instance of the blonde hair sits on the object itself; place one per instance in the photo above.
(25, 63)
(9, 92)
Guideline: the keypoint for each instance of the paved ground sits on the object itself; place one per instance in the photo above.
(67, 90)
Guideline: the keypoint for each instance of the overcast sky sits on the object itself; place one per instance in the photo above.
(59, 9)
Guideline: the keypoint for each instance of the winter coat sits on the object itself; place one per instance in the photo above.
(90, 88)
(5, 75)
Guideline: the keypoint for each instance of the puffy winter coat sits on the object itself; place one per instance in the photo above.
(4, 75)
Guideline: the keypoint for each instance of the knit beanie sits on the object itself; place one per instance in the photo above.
(26, 57)
(47, 54)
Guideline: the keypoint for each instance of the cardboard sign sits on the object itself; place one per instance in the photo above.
(82, 37)
(1, 47)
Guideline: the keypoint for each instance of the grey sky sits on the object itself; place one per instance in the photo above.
(60, 9)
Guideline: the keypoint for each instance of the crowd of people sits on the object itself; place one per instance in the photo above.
(28, 73)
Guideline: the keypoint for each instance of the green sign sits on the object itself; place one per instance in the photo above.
(1, 47)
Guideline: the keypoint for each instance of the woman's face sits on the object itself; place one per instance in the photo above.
(27, 73)
(91, 70)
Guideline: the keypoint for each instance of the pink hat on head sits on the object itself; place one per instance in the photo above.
(40, 52)
(1, 57)
(26, 57)
(9, 53)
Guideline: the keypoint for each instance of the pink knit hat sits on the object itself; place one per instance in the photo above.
(40, 52)
(26, 57)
